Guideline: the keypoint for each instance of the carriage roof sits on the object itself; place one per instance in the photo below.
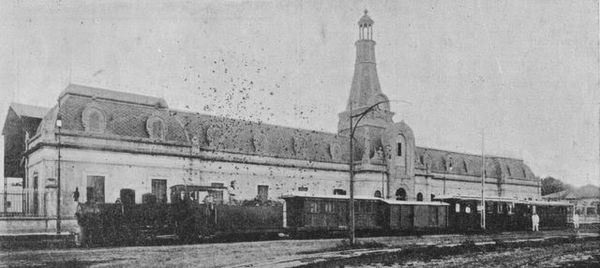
(502, 199)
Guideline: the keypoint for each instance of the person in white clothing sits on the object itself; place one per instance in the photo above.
(576, 221)
(535, 222)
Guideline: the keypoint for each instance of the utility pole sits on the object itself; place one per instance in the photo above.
(58, 191)
(351, 152)
(482, 179)
(353, 125)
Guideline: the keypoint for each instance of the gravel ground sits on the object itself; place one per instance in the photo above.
(291, 253)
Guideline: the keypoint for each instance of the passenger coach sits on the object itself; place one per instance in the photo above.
(503, 214)
(329, 214)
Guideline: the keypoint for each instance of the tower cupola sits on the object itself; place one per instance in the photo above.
(365, 26)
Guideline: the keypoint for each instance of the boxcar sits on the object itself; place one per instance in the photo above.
(415, 216)
(330, 213)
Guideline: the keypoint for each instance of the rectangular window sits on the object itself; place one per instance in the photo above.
(159, 189)
(399, 149)
(313, 207)
(95, 189)
(263, 193)
(329, 207)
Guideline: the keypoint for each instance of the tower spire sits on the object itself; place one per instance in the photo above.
(365, 90)
(365, 84)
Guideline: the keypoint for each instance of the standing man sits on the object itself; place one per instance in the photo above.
(535, 222)
(576, 221)
(76, 195)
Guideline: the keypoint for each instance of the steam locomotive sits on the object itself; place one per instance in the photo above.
(190, 219)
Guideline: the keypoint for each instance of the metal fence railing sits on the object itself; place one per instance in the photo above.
(27, 203)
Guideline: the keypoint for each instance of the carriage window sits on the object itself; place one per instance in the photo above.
(328, 207)
(468, 209)
(591, 210)
(368, 207)
(313, 207)
(217, 196)
(511, 208)
(499, 206)
(457, 207)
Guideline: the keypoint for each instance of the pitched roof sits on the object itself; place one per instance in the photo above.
(586, 191)
(113, 95)
(29, 110)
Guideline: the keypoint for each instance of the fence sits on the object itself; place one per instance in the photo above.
(27, 203)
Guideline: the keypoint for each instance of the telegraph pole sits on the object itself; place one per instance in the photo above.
(482, 179)
(352, 234)
(59, 126)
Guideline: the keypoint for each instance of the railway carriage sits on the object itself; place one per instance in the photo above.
(312, 214)
(372, 215)
(502, 214)
(407, 216)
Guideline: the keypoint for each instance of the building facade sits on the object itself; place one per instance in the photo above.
(111, 140)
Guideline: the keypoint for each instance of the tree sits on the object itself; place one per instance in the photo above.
(551, 185)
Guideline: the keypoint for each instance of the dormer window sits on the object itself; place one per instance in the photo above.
(156, 128)
(93, 120)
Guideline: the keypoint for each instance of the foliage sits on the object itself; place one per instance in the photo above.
(551, 185)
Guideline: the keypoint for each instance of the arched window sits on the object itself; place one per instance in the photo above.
(508, 171)
(93, 120)
(419, 197)
(377, 194)
(156, 128)
(401, 194)
(465, 166)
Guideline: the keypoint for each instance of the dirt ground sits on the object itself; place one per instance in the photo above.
(569, 254)
(293, 253)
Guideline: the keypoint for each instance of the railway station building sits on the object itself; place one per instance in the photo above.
(110, 140)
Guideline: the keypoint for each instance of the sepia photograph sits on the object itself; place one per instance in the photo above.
(300, 133)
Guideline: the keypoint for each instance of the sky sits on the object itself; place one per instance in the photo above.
(524, 72)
